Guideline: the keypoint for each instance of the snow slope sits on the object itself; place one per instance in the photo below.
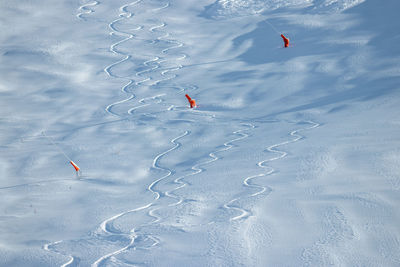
(291, 158)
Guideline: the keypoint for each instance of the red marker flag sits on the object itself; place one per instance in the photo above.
(74, 165)
(285, 40)
(192, 102)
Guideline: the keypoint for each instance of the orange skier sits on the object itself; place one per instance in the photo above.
(192, 102)
(285, 40)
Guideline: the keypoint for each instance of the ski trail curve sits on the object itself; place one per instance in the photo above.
(160, 8)
(144, 104)
(124, 14)
(85, 10)
(197, 167)
(151, 65)
(157, 166)
(106, 226)
(269, 170)
(71, 260)
(150, 69)
(155, 65)
(177, 44)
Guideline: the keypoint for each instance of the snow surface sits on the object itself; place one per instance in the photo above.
(291, 158)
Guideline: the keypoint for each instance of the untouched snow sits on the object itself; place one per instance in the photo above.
(291, 158)
(228, 8)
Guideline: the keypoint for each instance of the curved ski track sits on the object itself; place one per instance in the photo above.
(71, 260)
(124, 14)
(269, 170)
(152, 64)
(197, 167)
(85, 10)
(106, 225)
(165, 52)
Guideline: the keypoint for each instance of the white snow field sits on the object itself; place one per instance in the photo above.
(292, 157)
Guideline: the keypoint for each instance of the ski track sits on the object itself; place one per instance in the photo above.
(85, 10)
(197, 167)
(157, 166)
(165, 52)
(106, 225)
(124, 14)
(152, 64)
(143, 102)
(71, 259)
(269, 170)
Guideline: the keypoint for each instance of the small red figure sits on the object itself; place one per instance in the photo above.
(285, 40)
(192, 102)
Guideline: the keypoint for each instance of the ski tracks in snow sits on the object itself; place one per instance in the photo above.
(86, 9)
(152, 66)
(71, 259)
(268, 170)
(124, 14)
(197, 168)
(156, 166)
(161, 63)
(176, 44)
(106, 226)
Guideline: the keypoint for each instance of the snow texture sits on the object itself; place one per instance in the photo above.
(290, 159)
(234, 8)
